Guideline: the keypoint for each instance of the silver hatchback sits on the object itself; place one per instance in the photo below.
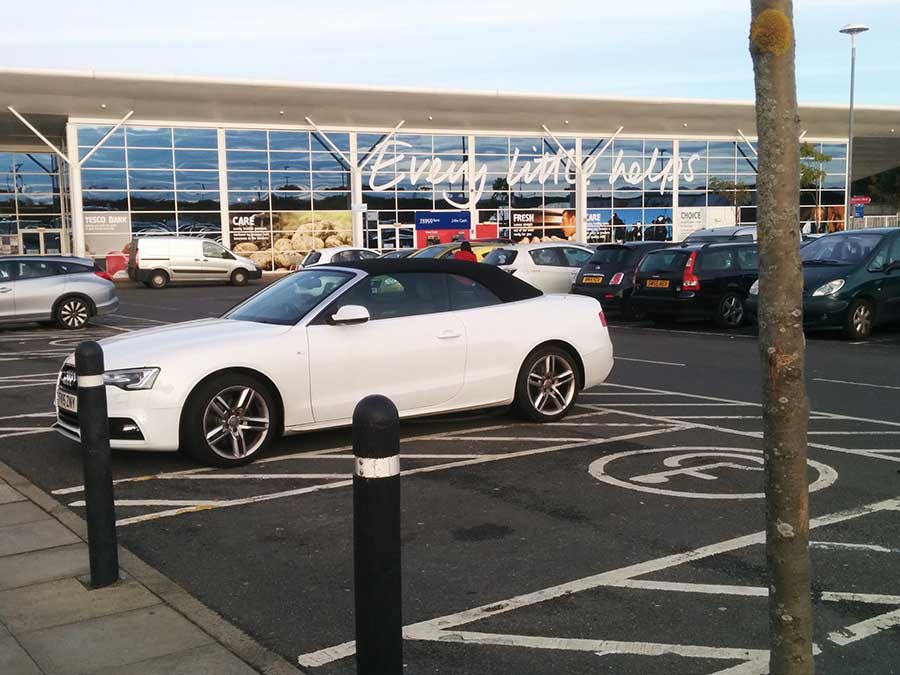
(63, 289)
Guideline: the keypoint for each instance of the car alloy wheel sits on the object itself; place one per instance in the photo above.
(236, 422)
(239, 278)
(731, 311)
(552, 385)
(74, 313)
(159, 279)
(861, 319)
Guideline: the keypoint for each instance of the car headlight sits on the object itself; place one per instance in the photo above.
(754, 289)
(830, 288)
(131, 379)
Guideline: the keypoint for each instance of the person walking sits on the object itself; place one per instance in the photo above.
(465, 253)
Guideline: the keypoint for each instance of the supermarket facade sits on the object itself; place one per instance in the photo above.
(273, 169)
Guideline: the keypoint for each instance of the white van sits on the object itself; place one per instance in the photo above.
(155, 261)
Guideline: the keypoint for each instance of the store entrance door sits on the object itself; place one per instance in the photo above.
(395, 236)
(41, 242)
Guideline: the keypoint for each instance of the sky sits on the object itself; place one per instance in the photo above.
(641, 48)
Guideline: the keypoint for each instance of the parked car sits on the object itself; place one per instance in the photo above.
(551, 267)
(157, 261)
(714, 235)
(463, 336)
(399, 253)
(851, 280)
(609, 274)
(446, 251)
(707, 281)
(338, 254)
(63, 289)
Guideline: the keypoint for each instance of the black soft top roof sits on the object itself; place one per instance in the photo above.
(504, 285)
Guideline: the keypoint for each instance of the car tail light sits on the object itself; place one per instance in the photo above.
(103, 275)
(690, 281)
(617, 279)
(603, 319)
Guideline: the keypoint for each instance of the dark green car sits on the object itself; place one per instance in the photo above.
(851, 280)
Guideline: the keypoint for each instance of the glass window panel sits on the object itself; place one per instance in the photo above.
(653, 199)
(415, 200)
(7, 203)
(340, 139)
(698, 182)
(666, 148)
(526, 146)
(601, 200)
(835, 150)
(151, 180)
(36, 163)
(452, 144)
(599, 181)
(289, 161)
(33, 222)
(418, 144)
(323, 161)
(245, 140)
(196, 159)
(377, 201)
(551, 148)
(492, 145)
(248, 201)
(248, 180)
(633, 147)
(600, 163)
(152, 201)
(198, 201)
(627, 200)
(149, 159)
(108, 179)
(7, 161)
(695, 164)
(331, 201)
(291, 181)
(331, 181)
(34, 203)
(722, 148)
(148, 137)
(197, 180)
(747, 165)
(834, 182)
(195, 138)
(366, 142)
(289, 140)
(291, 201)
(721, 165)
(833, 197)
(105, 201)
(91, 135)
(153, 223)
(46, 182)
(723, 198)
(199, 223)
(489, 200)
(526, 200)
(112, 158)
(494, 164)
(559, 200)
(836, 166)
(248, 160)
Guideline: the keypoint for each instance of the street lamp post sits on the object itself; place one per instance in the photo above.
(852, 30)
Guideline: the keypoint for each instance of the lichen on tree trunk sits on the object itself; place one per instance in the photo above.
(781, 339)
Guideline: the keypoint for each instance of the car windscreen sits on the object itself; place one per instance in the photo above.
(841, 249)
(500, 256)
(286, 302)
(663, 261)
(614, 255)
(431, 252)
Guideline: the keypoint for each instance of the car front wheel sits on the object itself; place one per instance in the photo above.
(159, 279)
(239, 278)
(860, 320)
(73, 313)
(229, 420)
(547, 385)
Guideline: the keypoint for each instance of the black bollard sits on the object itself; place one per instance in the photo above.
(376, 537)
(98, 486)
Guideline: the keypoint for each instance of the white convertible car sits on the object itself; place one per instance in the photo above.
(435, 336)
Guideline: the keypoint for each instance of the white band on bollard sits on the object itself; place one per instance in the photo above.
(90, 381)
(377, 467)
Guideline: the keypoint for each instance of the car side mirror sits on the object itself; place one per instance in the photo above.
(349, 315)
(892, 266)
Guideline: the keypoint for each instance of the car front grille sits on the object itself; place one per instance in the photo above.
(68, 379)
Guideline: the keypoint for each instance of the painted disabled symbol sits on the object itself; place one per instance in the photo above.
(695, 467)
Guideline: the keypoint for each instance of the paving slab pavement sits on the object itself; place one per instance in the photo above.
(53, 623)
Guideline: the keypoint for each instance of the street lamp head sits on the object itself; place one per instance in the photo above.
(854, 29)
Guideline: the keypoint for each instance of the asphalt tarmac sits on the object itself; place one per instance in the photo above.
(626, 539)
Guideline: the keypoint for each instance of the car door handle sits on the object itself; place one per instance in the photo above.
(5, 290)
(449, 334)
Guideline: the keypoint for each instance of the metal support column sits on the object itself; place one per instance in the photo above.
(357, 206)
(580, 195)
(75, 198)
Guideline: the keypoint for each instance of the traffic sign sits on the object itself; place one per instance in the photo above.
(862, 199)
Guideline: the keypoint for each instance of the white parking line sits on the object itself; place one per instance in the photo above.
(26, 433)
(843, 545)
(159, 502)
(857, 384)
(655, 363)
(864, 629)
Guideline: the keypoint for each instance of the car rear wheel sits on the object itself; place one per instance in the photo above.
(159, 279)
(630, 312)
(73, 313)
(229, 421)
(860, 320)
(731, 312)
(547, 385)
(239, 278)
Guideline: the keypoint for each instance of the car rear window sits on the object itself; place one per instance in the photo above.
(501, 256)
(663, 261)
(611, 256)
(721, 260)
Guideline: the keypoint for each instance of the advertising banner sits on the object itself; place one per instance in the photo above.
(598, 226)
(106, 232)
(546, 225)
(438, 227)
(281, 240)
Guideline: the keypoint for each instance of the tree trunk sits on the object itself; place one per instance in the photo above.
(781, 340)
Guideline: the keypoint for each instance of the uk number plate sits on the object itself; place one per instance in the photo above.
(657, 283)
(592, 280)
(68, 402)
